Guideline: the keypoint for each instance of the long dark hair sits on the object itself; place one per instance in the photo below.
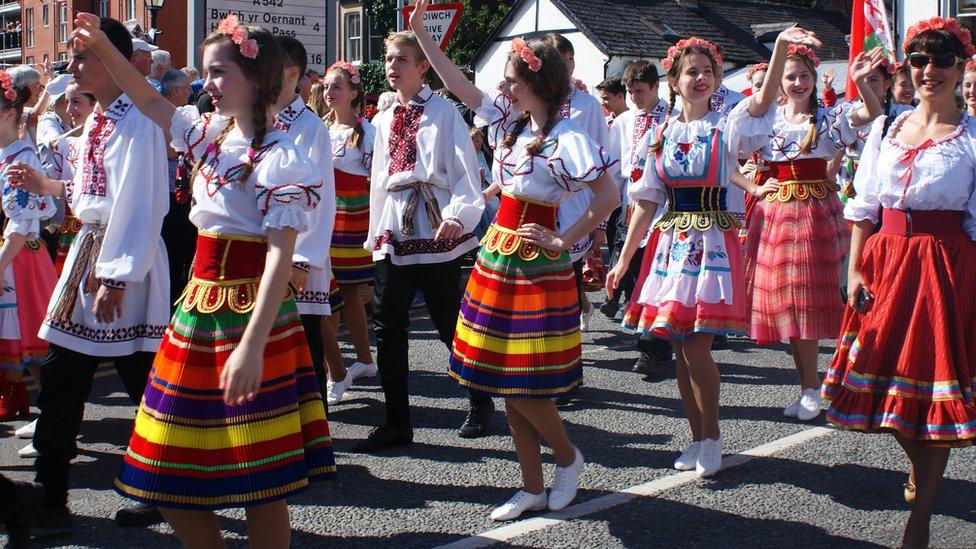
(549, 83)
(265, 72)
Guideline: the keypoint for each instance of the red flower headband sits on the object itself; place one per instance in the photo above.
(889, 66)
(348, 67)
(799, 50)
(675, 50)
(758, 67)
(233, 28)
(950, 25)
(7, 85)
(971, 65)
(525, 52)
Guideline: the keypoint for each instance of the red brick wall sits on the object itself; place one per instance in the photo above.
(172, 20)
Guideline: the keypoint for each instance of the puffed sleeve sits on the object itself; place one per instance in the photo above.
(288, 187)
(463, 173)
(495, 113)
(25, 210)
(135, 164)
(867, 203)
(842, 131)
(577, 160)
(649, 186)
(745, 133)
(309, 248)
(369, 138)
(192, 131)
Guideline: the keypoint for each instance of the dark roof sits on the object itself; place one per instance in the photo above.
(640, 27)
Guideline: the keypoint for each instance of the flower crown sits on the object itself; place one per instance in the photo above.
(525, 52)
(971, 65)
(675, 50)
(758, 67)
(889, 66)
(950, 25)
(799, 50)
(237, 32)
(7, 85)
(348, 67)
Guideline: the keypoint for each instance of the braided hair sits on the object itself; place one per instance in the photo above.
(549, 83)
(812, 138)
(264, 71)
(673, 74)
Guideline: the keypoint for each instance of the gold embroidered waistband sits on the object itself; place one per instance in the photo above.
(508, 242)
(700, 221)
(209, 296)
(803, 189)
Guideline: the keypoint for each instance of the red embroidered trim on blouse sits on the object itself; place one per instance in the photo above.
(403, 138)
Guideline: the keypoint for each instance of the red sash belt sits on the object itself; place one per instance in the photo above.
(229, 257)
(514, 212)
(932, 222)
(805, 169)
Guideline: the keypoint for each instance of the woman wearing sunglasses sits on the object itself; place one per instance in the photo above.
(906, 361)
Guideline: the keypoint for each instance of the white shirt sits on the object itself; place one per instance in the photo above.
(24, 210)
(568, 161)
(433, 146)
(942, 176)
(353, 160)
(784, 137)
(311, 137)
(284, 186)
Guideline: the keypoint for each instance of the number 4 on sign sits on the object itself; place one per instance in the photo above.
(440, 21)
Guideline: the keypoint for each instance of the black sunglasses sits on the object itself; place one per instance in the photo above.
(942, 60)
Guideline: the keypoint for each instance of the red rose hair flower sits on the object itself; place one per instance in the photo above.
(799, 50)
(525, 52)
(233, 28)
(675, 50)
(952, 26)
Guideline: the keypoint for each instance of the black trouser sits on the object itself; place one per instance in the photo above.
(578, 273)
(612, 231)
(629, 280)
(66, 380)
(180, 237)
(312, 324)
(440, 284)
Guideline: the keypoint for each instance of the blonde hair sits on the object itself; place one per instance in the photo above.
(409, 39)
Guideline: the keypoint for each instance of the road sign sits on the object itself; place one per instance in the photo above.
(301, 19)
(440, 21)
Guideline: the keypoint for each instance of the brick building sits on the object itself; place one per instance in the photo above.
(47, 24)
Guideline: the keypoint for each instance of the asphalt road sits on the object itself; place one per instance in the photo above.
(787, 483)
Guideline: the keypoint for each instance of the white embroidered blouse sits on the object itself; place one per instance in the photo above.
(284, 186)
(937, 175)
(24, 210)
(353, 160)
(784, 137)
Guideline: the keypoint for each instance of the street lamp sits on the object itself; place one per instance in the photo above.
(154, 6)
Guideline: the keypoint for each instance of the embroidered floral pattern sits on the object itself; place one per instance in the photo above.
(419, 245)
(98, 335)
(403, 138)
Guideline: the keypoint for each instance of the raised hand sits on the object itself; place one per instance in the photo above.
(799, 36)
(828, 78)
(864, 63)
(417, 16)
(87, 33)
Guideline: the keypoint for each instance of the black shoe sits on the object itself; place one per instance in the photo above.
(56, 518)
(567, 399)
(384, 437)
(720, 342)
(609, 309)
(139, 514)
(476, 424)
(644, 365)
(18, 513)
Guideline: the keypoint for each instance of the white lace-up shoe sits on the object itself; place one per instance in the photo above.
(360, 370)
(27, 431)
(710, 457)
(689, 457)
(521, 502)
(810, 405)
(793, 409)
(28, 451)
(565, 483)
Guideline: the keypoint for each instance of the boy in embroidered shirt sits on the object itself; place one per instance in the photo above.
(111, 301)
(425, 203)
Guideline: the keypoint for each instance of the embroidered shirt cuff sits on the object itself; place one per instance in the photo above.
(301, 265)
(114, 284)
(456, 220)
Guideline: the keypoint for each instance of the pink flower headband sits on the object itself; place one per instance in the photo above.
(799, 50)
(950, 25)
(675, 50)
(351, 69)
(233, 28)
(889, 66)
(758, 67)
(7, 84)
(525, 52)
(971, 65)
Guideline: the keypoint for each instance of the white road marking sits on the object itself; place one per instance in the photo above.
(652, 488)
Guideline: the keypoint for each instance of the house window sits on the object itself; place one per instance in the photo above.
(45, 58)
(29, 26)
(103, 8)
(63, 56)
(352, 26)
(45, 16)
(63, 22)
(130, 9)
(376, 43)
(29, 60)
